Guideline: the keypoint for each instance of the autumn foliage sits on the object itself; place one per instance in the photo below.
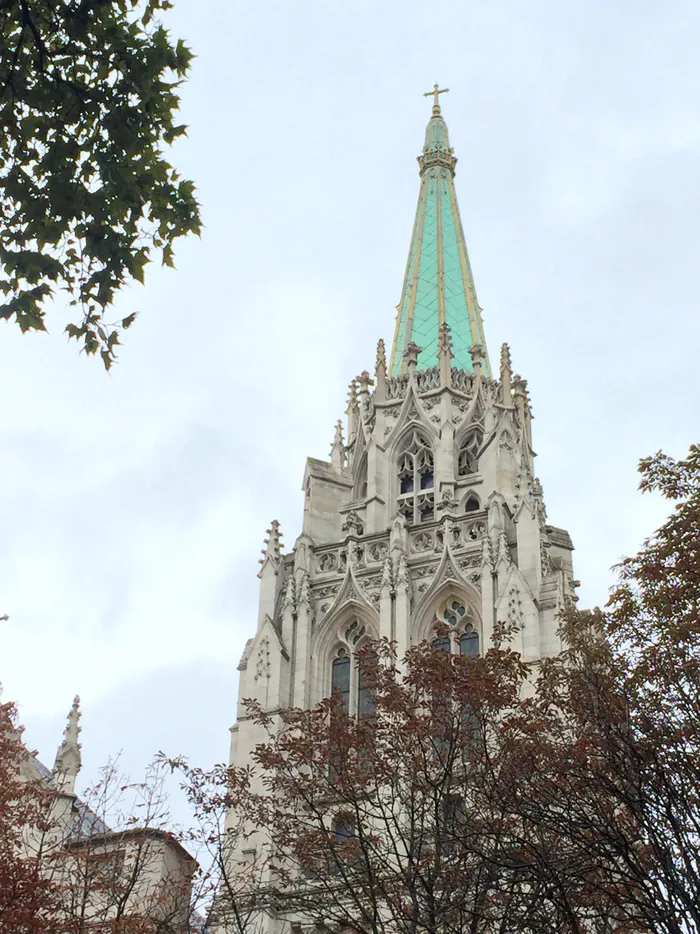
(26, 897)
(487, 795)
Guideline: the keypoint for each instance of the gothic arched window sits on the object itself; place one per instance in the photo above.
(416, 480)
(343, 829)
(468, 457)
(469, 642)
(455, 614)
(442, 643)
(365, 692)
(340, 678)
(472, 504)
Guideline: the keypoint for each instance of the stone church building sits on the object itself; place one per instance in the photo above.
(428, 509)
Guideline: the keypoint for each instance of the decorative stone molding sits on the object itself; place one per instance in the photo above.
(262, 661)
(515, 613)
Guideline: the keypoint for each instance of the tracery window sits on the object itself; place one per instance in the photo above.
(340, 678)
(456, 615)
(343, 830)
(443, 643)
(365, 692)
(351, 673)
(468, 457)
(469, 642)
(416, 480)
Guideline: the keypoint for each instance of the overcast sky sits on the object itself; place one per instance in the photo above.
(134, 504)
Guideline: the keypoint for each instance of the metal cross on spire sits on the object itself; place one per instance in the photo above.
(434, 94)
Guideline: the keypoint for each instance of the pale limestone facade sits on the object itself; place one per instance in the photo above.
(431, 501)
(374, 562)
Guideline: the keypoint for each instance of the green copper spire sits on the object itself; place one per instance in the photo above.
(438, 287)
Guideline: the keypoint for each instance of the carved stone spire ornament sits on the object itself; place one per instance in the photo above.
(506, 376)
(476, 352)
(364, 381)
(380, 372)
(352, 411)
(410, 355)
(338, 452)
(68, 758)
(273, 544)
(445, 355)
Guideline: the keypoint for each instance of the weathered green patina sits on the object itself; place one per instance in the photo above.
(438, 287)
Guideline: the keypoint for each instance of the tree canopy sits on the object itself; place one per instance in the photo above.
(26, 896)
(88, 101)
(484, 794)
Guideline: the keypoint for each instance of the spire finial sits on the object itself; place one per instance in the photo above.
(352, 397)
(380, 365)
(68, 759)
(352, 411)
(364, 381)
(434, 94)
(410, 355)
(338, 452)
(380, 373)
(445, 354)
(273, 544)
(506, 376)
(476, 352)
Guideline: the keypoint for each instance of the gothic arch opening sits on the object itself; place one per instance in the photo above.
(416, 478)
(469, 451)
(337, 651)
(452, 604)
(463, 637)
(472, 503)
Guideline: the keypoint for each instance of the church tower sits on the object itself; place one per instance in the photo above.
(427, 510)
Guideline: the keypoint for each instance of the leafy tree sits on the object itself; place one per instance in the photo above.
(399, 821)
(88, 98)
(26, 896)
(488, 795)
(63, 870)
(615, 774)
(131, 877)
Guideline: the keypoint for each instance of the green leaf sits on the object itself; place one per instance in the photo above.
(86, 190)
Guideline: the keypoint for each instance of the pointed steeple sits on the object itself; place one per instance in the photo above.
(68, 758)
(438, 287)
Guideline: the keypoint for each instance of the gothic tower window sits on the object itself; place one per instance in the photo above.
(442, 643)
(472, 503)
(340, 678)
(468, 458)
(469, 642)
(365, 693)
(416, 480)
(455, 614)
